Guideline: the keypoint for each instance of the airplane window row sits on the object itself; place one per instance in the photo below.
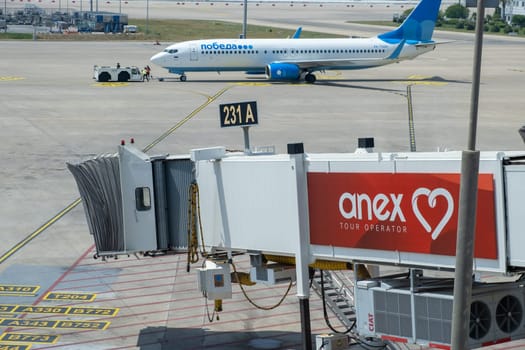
(252, 52)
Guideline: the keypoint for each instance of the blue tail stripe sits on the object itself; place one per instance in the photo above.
(418, 26)
(397, 51)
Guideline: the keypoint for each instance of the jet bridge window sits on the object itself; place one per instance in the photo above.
(142, 198)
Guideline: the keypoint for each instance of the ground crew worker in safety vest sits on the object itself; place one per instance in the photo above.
(145, 75)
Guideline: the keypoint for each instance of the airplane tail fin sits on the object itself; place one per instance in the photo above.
(418, 26)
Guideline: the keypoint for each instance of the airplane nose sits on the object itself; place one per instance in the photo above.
(157, 58)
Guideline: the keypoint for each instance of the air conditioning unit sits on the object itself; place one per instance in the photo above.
(496, 314)
(385, 310)
(332, 341)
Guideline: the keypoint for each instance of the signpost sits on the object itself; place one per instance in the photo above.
(243, 114)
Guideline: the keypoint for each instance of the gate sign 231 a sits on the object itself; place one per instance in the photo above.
(238, 114)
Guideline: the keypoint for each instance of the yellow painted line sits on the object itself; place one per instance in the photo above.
(93, 311)
(423, 80)
(11, 78)
(15, 346)
(29, 238)
(252, 84)
(77, 201)
(29, 338)
(9, 289)
(111, 84)
(188, 117)
(73, 296)
(67, 324)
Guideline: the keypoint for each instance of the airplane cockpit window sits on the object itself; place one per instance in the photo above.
(171, 50)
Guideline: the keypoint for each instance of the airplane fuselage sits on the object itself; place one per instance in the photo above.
(254, 55)
(295, 59)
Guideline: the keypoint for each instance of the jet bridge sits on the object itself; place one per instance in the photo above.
(379, 208)
(362, 208)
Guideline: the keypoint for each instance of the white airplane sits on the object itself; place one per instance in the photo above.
(296, 59)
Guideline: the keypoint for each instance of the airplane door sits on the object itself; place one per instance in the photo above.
(194, 53)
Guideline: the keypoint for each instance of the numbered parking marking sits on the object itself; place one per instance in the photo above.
(18, 290)
(92, 325)
(14, 322)
(70, 296)
(95, 311)
(15, 347)
(100, 325)
(7, 308)
(64, 310)
(29, 338)
(26, 309)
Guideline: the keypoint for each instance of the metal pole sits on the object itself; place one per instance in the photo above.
(306, 331)
(411, 131)
(245, 130)
(302, 255)
(147, 16)
(467, 206)
(245, 19)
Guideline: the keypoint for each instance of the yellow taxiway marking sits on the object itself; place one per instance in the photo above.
(15, 346)
(29, 338)
(77, 201)
(251, 83)
(11, 78)
(111, 84)
(423, 80)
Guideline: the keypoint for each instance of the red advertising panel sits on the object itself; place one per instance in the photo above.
(405, 212)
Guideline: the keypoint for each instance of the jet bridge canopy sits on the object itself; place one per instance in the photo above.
(383, 208)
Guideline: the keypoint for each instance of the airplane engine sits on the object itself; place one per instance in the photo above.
(283, 71)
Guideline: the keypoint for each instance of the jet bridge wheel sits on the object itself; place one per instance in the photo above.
(310, 78)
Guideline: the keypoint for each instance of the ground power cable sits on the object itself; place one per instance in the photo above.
(77, 201)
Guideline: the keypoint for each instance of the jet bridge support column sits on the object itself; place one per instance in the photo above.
(296, 152)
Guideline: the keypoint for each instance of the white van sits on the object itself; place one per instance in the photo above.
(130, 29)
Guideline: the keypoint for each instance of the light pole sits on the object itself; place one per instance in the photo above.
(147, 17)
(467, 205)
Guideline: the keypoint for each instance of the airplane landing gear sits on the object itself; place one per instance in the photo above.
(310, 78)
